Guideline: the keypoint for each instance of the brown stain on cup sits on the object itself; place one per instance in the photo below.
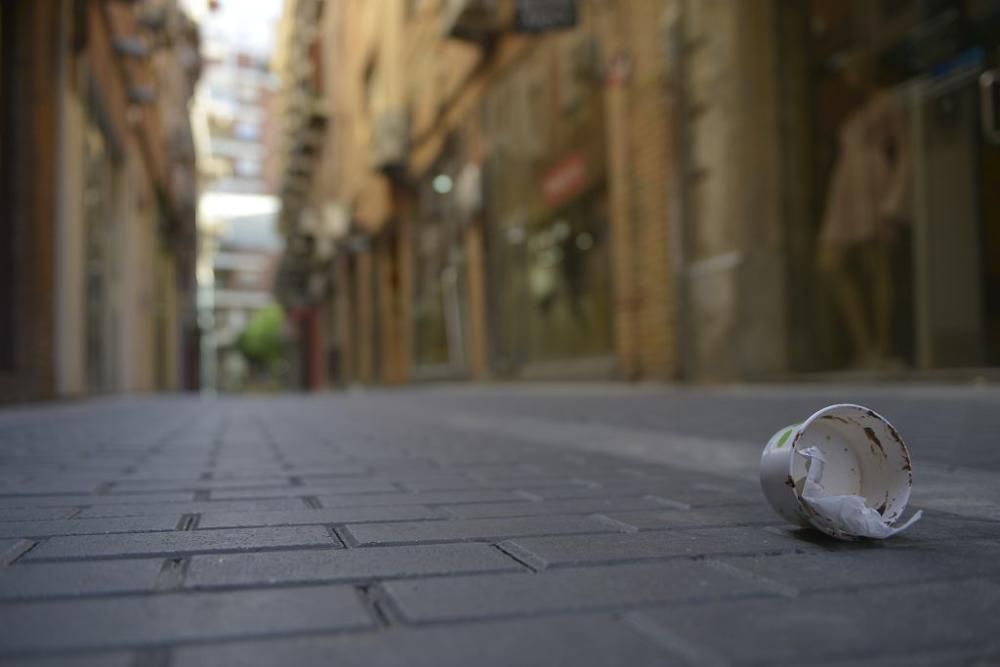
(874, 442)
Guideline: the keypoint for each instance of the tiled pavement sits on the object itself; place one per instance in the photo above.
(373, 530)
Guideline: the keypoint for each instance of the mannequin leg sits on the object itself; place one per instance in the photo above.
(878, 266)
(832, 262)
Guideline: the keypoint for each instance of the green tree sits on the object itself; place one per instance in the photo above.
(262, 342)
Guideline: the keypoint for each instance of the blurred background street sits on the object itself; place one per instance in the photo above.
(340, 305)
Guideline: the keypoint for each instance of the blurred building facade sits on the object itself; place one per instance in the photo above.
(641, 189)
(99, 187)
(239, 248)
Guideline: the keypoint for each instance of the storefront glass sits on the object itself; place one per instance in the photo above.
(556, 301)
(547, 209)
(439, 273)
(900, 256)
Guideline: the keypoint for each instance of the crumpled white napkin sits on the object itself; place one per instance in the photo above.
(848, 514)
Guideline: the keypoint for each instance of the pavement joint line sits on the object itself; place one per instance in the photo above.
(523, 558)
(615, 523)
(342, 537)
(375, 599)
(667, 502)
(17, 550)
(172, 573)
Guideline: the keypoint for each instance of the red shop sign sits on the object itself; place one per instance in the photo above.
(566, 179)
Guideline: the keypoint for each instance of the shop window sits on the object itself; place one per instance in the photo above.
(894, 256)
(555, 296)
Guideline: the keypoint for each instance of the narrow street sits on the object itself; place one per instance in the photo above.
(481, 525)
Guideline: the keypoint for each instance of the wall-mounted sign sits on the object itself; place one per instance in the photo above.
(566, 179)
(542, 15)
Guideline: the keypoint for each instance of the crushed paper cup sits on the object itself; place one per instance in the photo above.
(844, 471)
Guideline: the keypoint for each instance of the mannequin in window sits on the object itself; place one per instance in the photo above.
(866, 206)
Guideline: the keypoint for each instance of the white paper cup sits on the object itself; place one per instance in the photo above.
(864, 456)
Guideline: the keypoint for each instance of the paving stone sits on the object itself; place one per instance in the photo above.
(543, 552)
(30, 580)
(585, 640)
(473, 529)
(730, 515)
(137, 486)
(849, 624)
(873, 567)
(96, 659)
(346, 564)
(567, 491)
(36, 513)
(192, 507)
(946, 527)
(593, 588)
(429, 590)
(176, 617)
(577, 506)
(345, 485)
(947, 657)
(49, 486)
(79, 500)
(411, 498)
(181, 542)
(337, 515)
(693, 493)
(88, 526)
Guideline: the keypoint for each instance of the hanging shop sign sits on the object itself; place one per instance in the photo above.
(543, 15)
(565, 180)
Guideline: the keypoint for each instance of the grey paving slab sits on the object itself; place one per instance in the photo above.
(411, 498)
(576, 506)
(178, 617)
(553, 551)
(850, 624)
(181, 542)
(192, 507)
(861, 568)
(587, 640)
(31, 580)
(464, 544)
(345, 485)
(78, 500)
(36, 513)
(346, 564)
(594, 588)
(473, 529)
(89, 526)
(567, 491)
(662, 518)
(130, 486)
(91, 659)
(336, 515)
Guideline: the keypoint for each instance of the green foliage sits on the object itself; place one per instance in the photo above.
(262, 342)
